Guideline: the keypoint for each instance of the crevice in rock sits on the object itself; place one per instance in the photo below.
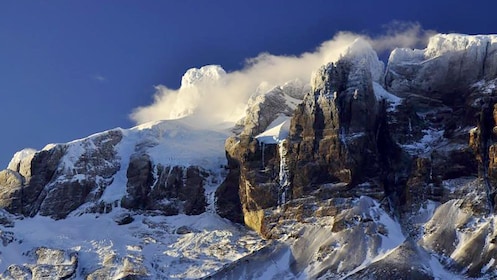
(483, 64)
(486, 124)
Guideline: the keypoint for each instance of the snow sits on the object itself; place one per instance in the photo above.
(206, 74)
(362, 54)
(443, 43)
(389, 242)
(170, 142)
(276, 132)
(382, 94)
(284, 173)
(488, 265)
(74, 151)
(406, 56)
(431, 139)
(49, 146)
(394, 238)
(181, 144)
(212, 243)
(19, 157)
(439, 272)
(486, 87)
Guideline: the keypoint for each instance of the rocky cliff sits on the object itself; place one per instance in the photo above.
(117, 168)
(418, 138)
(368, 172)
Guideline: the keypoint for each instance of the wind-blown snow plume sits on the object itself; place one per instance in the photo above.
(401, 35)
(209, 95)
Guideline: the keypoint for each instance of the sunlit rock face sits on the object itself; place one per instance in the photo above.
(365, 172)
(334, 135)
(334, 132)
(252, 183)
(419, 138)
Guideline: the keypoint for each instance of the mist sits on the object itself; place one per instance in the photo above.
(223, 98)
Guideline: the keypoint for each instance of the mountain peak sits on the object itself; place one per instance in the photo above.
(362, 55)
(205, 74)
(440, 44)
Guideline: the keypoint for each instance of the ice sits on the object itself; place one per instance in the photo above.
(486, 87)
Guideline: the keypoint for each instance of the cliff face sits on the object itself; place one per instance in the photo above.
(337, 134)
(254, 182)
(118, 168)
(333, 134)
(420, 135)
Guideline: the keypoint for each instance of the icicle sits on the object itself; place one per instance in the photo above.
(262, 145)
(283, 175)
(410, 126)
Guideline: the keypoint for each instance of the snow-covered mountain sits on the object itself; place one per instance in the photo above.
(367, 172)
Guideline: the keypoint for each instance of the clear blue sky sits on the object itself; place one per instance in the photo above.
(72, 68)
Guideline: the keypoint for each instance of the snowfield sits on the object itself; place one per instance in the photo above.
(176, 247)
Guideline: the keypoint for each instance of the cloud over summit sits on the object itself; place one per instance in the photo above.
(210, 96)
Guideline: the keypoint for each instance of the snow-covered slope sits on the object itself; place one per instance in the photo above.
(119, 242)
(150, 246)
(120, 165)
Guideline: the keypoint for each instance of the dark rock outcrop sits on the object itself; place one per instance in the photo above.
(54, 183)
(172, 190)
(333, 135)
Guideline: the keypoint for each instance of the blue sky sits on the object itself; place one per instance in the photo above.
(72, 68)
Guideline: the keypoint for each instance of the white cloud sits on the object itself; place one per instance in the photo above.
(99, 78)
(224, 99)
